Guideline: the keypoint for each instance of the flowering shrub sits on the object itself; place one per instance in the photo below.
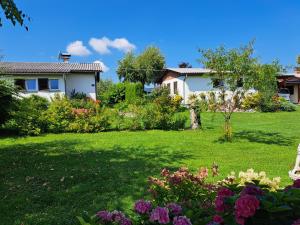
(184, 198)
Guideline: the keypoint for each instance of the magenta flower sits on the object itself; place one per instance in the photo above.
(245, 207)
(218, 219)
(174, 208)
(160, 214)
(252, 190)
(142, 207)
(126, 221)
(105, 216)
(219, 202)
(296, 183)
(296, 222)
(181, 220)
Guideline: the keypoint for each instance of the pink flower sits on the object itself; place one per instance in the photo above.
(245, 207)
(219, 202)
(181, 220)
(252, 190)
(105, 216)
(117, 216)
(165, 172)
(218, 219)
(126, 221)
(160, 214)
(296, 222)
(174, 208)
(296, 183)
(142, 207)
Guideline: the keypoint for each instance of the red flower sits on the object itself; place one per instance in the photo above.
(218, 219)
(245, 207)
(219, 202)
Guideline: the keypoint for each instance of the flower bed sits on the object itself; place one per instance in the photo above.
(184, 198)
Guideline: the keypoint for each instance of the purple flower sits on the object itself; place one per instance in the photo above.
(117, 216)
(296, 222)
(174, 208)
(160, 214)
(181, 220)
(142, 207)
(252, 190)
(126, 221)
(105, 216)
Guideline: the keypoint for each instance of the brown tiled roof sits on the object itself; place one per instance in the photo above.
(29, 67)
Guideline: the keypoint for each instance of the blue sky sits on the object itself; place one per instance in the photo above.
(104, 30)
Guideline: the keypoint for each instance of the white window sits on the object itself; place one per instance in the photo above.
(30, 85)
(53, 84)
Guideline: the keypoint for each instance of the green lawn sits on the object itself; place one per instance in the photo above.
(49, 179)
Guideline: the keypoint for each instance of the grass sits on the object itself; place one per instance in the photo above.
(50, 179)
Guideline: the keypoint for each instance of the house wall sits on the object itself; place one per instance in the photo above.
(189, 85)
(81, 83)
(294, 97)
(44, 93)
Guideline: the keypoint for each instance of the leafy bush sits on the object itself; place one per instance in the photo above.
(133, 91)
(286, 106)
(114, 94)
(252, 101)
(28, 118)
(7, 99)
(59, 114)
(77, 95)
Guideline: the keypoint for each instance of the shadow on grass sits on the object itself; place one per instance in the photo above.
(52, 182)
(273, 138)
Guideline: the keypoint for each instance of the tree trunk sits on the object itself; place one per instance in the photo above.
(194, 119)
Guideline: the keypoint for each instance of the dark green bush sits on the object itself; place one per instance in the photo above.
(114, 94)
(59, 114)
(28, 118)
(287, 106)
(7, 99)
(133, 91)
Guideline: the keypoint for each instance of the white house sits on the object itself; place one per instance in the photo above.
(46, 79)
(187, 81)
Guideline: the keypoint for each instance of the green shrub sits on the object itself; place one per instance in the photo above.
(28, 117)
(77, 95)
(7, 99)
(87, 123)
(59, 114)
(115, 94)
(252, 101)
(133, 91)
(286, 106)
(178, 121)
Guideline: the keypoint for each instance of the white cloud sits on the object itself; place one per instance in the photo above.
(122, 44)
(77, 48)
(103, 66)
(100, 45)
(103, 45)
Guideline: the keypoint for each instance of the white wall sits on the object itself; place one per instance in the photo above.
(81, 83)
(44, 93)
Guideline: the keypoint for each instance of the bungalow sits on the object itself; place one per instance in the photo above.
(46, 79)
(187, 81)
(290, 82)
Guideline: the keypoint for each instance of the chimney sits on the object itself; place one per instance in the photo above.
(64, 56)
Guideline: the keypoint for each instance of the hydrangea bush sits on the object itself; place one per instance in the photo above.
(184, 198)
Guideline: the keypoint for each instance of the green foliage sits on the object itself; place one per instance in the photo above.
(252, 101)
(77, 95)
(114, 94)
(133, 91)
(7, 99)
(145, 68)
(12, 13)
(103, 87)
(59, 114)
(28, 117)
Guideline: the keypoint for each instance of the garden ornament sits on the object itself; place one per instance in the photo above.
(295, 173)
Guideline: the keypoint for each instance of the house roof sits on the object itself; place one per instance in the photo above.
(189, 70)
(38, 67)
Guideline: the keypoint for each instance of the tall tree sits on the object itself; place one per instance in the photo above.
(184, 65)
(12, 13)
(145, 68)
(234, 69)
